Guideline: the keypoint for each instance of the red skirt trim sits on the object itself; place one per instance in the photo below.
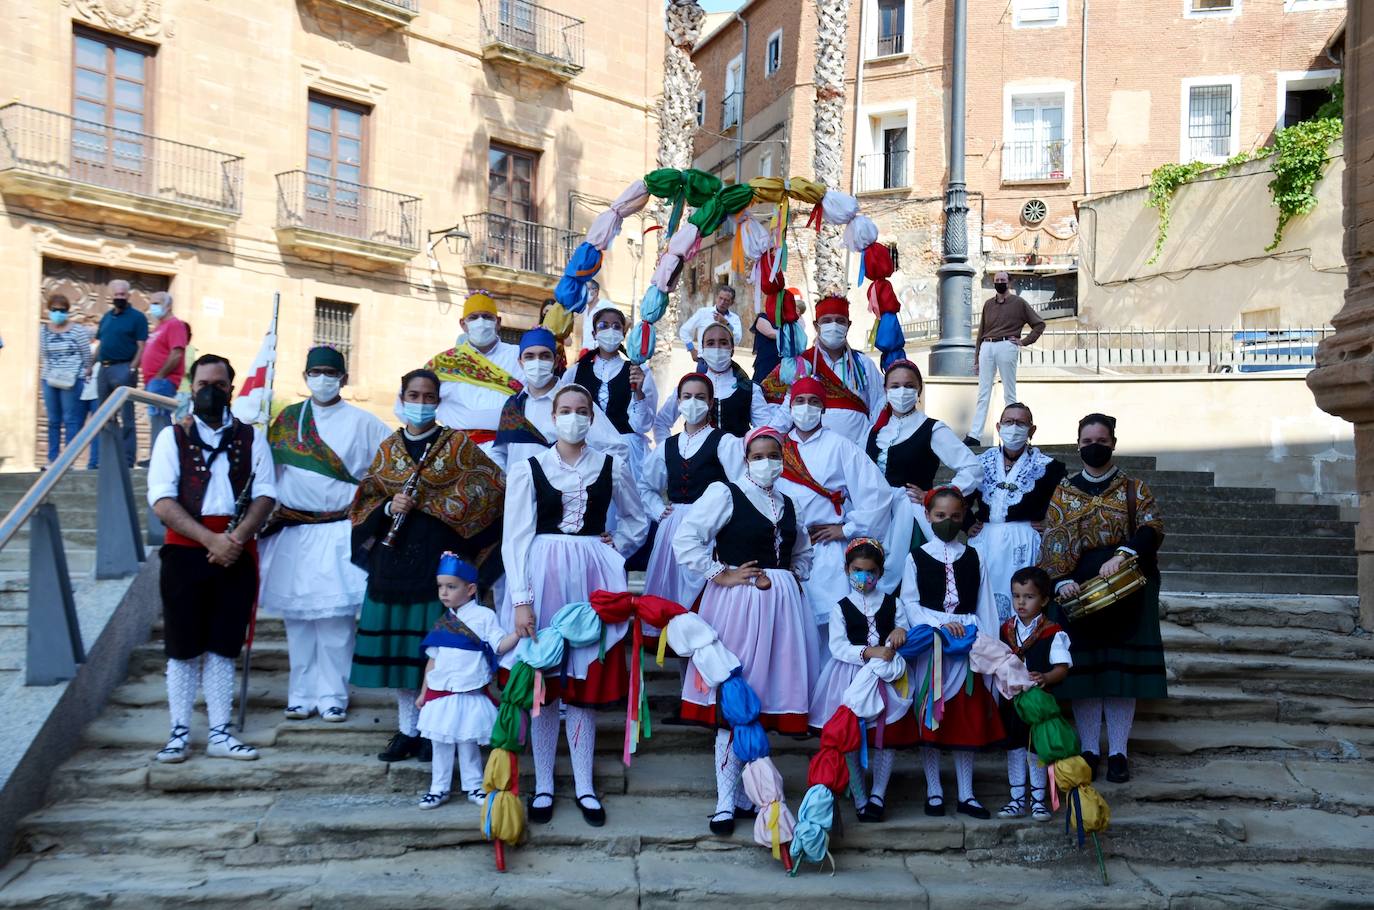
(706, 715)
(969, 722)
(607, 683)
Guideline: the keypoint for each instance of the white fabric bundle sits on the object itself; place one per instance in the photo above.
(838, 207)
(691, 636)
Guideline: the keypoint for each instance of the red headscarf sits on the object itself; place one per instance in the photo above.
(809, 385)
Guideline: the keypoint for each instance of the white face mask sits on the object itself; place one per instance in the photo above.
(833, 334)
(765, 470)
(572, 427)
(323, 389)
(609, 339)
(481, 330)
(806, 416)
(1013, 436)
(902, 399)
(537, 372)
(717, 358)
(693, 409)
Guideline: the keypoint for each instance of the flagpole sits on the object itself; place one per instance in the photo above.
(272, 365)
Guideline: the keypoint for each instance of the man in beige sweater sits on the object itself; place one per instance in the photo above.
(1005, 315)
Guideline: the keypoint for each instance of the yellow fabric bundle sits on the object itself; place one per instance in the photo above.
(1071, 773)
(558, 320)
(774, 189)
(503, 816)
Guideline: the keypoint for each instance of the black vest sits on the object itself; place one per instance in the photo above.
(734, 413)
(1037, 656)
(617, 398)
(195, 470)
(548, 502)
(856, 624)
(748, 535)
(688, 479)
(930, 581)
(1035, 502)
(911, 461)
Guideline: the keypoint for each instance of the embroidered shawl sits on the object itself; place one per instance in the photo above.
(795, 470)
(1078, 522)
(466, 364)
(452, 632)
(811, 363)
(296, 441)
(1001, 493)
(514, 426)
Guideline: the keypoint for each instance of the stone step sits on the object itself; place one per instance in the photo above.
(1241, 582)
(1189, 508)
(80, 560)
(1277, 525)
(1260, 565)
(1332, 613)
(81, 538)
(1219, 639)
(1172, 493)
(1261, 543)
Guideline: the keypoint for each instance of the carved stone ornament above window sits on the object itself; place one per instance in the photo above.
(142, 18)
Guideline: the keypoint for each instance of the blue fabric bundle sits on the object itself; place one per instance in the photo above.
(738, 703)
(811, 836)
(635, 349)
(571, 291)
(654, 305)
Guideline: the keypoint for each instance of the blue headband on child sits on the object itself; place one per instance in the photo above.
(451, 563)
(538, 337)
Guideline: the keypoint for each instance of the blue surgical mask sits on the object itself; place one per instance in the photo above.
(58, 317)
(862, 580)
(157, 311)
(418, 415)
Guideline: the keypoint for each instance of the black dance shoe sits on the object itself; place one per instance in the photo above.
(722, 824)
(540, 815)
(592, 815)
(1118, 769)
(400, 748)
(972, 809)
(873, 810)
(1093, 761)
(935, 806)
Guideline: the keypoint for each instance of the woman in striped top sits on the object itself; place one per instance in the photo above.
(65, 351)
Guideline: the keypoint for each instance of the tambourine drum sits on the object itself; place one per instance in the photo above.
(1098, 593)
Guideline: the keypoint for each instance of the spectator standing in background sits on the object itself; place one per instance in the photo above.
(720, 313)
(165, 358)
(122, 333)
(65, 350)
(999, 345)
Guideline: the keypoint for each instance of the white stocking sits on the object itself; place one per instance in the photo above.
(580, 730)
(1087, 717)
(930, 763)
(1120, 716)
(1040, 778)
(544, 742)
(963, 774)
(407, 715)
(470, 766)
(183, 677)
(728, 769)
(1016, 770)
(217, 678)
(441, 771)
(880, 762)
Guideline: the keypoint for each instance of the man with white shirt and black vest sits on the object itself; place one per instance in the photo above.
(211, 483)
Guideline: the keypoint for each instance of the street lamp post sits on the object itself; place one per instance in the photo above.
(953, 353)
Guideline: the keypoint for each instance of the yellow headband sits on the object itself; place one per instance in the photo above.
(479, 302)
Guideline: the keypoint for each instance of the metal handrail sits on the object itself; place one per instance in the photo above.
(43, 486)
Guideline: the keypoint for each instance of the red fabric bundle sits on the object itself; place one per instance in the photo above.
(881, 298)
(789, 306)
(768, 282)
(877, 261)
(839, 736)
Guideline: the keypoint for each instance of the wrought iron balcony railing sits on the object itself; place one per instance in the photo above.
(535, 30)
(1047, 159)
(352, 210)
(891, 44)
(56, 147)
(884, 171)
(525, 246)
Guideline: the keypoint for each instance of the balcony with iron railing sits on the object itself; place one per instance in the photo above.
(326, 215)
(53, 156)
(392, 12)
(884, 171)
(890, 45)
(1043, 161)
(506, 253)
(528, 35)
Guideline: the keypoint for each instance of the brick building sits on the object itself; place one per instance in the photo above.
(369, 159)
(1059, 108)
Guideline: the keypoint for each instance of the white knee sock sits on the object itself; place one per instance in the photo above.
(441, 771)
(1120, 716)
(963, 774)
(217, 678)
(728, 768)
(857, 790)
(1087, 717)
(930, 763)
(544, 743)
(407, 715)
(580, 730)
(470, 766)
(1039, 777)
(1016, 771)
(183, 678)
(880, 763)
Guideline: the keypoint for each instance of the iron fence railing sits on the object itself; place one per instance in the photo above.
(921, 329)
(1194, 350)
(333, 206)
(884, 171)
(1047, 159)
(45, 142)
(524, 245)
(1056, 307)
(890, 44)
(533, 28)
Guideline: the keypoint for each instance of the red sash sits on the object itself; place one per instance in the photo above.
(1044, 629)
(811, 363)
(794, 469)
(481, 437)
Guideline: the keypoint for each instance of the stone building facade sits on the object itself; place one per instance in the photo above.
(371, 160)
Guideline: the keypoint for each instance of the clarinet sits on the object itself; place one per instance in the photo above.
(410, 487)
(241, 505)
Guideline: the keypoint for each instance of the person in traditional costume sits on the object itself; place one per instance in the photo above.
(909, 448)
(1044, 647)
(320, 447)
(526, 427)
(557, 550)
(748, 539)
(1097, 519)
(839, 494)
(211, 484)
(951, 590)
(456, 714)
(737, 403)
(429, 489)
(851, 382)
(676, 474)
(867, 624)
(623, 390)
(1016, 484)
(477, 375)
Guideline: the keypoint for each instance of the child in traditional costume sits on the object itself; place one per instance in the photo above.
(675, 476)
(557, 551)
(1044, 648)
(952, 592)
(747, 540)
(867, 624)
(456, 713)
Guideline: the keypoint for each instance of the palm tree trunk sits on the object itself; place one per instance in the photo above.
(832, 20)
